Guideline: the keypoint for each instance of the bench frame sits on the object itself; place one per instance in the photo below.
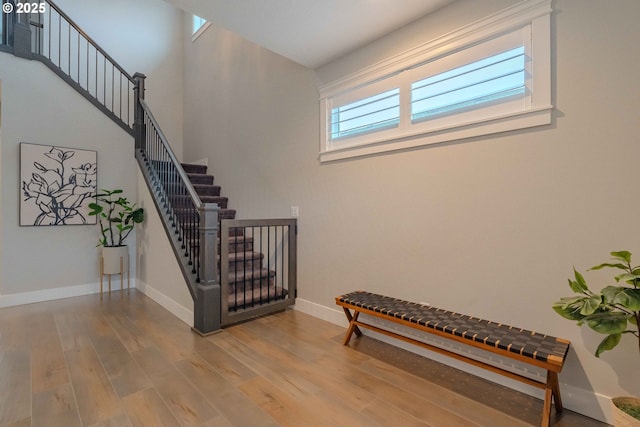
(551, 387)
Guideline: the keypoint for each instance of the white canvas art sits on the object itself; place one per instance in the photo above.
(57, 185)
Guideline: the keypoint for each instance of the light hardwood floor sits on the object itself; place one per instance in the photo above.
(125, 361)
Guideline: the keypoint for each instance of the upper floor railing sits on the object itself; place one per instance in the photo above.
(42, 31)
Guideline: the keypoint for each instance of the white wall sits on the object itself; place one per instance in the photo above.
(158, 272)
(490, 226)
(41, 258)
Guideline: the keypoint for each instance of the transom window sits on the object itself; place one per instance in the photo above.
(198, 26)
(381, 111)
(490, 77)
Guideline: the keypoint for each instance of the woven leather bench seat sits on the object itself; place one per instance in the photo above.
(526, 346)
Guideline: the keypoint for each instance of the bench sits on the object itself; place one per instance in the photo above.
(542, 351)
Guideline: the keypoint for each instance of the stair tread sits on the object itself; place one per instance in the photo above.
(193, 167)
(196, 186)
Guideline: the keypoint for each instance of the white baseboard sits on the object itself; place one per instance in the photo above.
(585, 402)
(178, 310)
(331, 315)
(10, 300)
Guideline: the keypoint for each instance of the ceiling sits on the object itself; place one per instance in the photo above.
(310, 32)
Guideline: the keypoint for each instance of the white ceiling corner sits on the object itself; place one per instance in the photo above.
(310, 32)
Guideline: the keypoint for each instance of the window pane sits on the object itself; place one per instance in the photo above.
(496, 77)
(197, 23)
(374, 113)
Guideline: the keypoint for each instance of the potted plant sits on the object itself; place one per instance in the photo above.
(614, 311)
(117, 217)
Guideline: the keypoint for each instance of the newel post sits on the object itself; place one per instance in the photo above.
(206, 312)
(138, 112)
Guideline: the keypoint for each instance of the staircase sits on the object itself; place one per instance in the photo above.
(233, 269)
(249, 282)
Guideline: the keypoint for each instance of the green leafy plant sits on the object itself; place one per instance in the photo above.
(614, 311)
(116, 217)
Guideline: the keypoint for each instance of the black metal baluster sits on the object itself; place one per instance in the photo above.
(113, 72)
(59, 41)
(49, 38)
(120, 95)
(78, 56)
(88, 86)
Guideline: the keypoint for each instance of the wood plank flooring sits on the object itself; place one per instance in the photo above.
(125, 361)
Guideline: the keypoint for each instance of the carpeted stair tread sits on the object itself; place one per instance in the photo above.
(191, 168)
(199, 178)
(207, 190)
(222, 202)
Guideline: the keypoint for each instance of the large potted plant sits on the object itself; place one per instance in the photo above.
(614, 311)
(117, 217)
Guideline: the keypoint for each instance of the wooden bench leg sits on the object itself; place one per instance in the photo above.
(352, 326)
(551, 392)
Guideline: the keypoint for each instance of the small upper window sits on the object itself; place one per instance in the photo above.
(198, 26)
(197, 23)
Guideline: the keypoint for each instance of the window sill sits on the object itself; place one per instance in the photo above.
(537, 117)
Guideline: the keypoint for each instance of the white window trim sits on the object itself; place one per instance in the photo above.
(532, 13)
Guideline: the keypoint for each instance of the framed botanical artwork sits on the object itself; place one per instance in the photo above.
(57, 185)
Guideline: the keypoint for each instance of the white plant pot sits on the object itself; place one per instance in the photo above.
(115, 260)
(620, 418)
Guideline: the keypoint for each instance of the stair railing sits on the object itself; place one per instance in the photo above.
(192, 226)
(48, 35)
